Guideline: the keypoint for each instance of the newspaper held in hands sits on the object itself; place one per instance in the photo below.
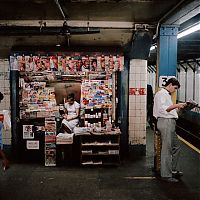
(189, 105)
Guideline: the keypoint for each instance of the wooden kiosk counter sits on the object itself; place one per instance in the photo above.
(100, 148)
(95, 148)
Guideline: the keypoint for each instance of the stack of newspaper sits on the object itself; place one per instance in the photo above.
(64, 138)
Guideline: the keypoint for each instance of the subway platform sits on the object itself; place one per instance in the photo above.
(134, 179)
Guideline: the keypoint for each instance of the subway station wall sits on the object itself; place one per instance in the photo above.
(190, 87)
(5, 89)
(189, 78)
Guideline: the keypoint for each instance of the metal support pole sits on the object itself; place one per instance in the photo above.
(167, 51)
(167, 64)
(123, 106)
(14, 85)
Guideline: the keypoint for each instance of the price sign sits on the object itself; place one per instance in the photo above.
(163, 80)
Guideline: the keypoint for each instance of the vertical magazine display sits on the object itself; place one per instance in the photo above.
(45, 80)
(50, 141)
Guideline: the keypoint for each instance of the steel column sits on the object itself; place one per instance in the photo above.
(14, 85)
(167, 64)
(167, 50)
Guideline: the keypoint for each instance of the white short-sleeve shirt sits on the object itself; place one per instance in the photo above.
(162, 101)
(71, 109)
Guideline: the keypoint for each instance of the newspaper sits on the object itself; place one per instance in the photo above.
(189, 106)
(64, 138)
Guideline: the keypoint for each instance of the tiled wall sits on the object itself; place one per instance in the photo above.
(137, 101)
(198, 85)
(186, 80)
(5, 89)
(181, 91)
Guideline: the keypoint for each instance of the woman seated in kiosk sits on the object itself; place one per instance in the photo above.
(71, 114)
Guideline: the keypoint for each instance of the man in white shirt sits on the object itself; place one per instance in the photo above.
(165, 113)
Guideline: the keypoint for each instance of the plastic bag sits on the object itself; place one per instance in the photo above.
(6, 121)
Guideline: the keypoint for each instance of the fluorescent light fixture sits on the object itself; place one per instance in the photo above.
(58, 45)
(189, 31)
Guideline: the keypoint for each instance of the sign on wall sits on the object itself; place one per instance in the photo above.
(163, 80)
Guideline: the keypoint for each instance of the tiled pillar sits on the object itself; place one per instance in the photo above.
(137, 102)
(5, 89)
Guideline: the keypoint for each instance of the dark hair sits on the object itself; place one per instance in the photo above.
(1, 96)
(94, 60)
(173, 81)
(70, 96)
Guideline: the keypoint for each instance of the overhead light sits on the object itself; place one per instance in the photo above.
(183, 33)
(153, 47)
(189, 31)
(58, 45)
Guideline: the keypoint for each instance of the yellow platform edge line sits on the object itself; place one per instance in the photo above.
(140, 177)
(190, 145)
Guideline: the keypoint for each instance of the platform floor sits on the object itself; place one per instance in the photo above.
(132, 180)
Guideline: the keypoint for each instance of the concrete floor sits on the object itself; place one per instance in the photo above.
(132, 180)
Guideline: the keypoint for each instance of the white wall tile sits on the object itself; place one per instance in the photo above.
(132, 99)
(132, 84)
(131, 119)
(131, 77)
(137, 103)
(143, 84)
(5, 89)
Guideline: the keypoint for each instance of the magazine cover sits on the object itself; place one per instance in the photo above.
(30, 64)
(93, 64)
(50, 126)
(103, 65)
(50, 137)
(53, 63)
(38, 63)
(21, 63)
(50, 154)
(95, 93)
(61, 64)
(45, 63)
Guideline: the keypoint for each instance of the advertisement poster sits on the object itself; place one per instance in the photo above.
(28, 132)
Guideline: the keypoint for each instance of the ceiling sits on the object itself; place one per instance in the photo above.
(106, 22)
